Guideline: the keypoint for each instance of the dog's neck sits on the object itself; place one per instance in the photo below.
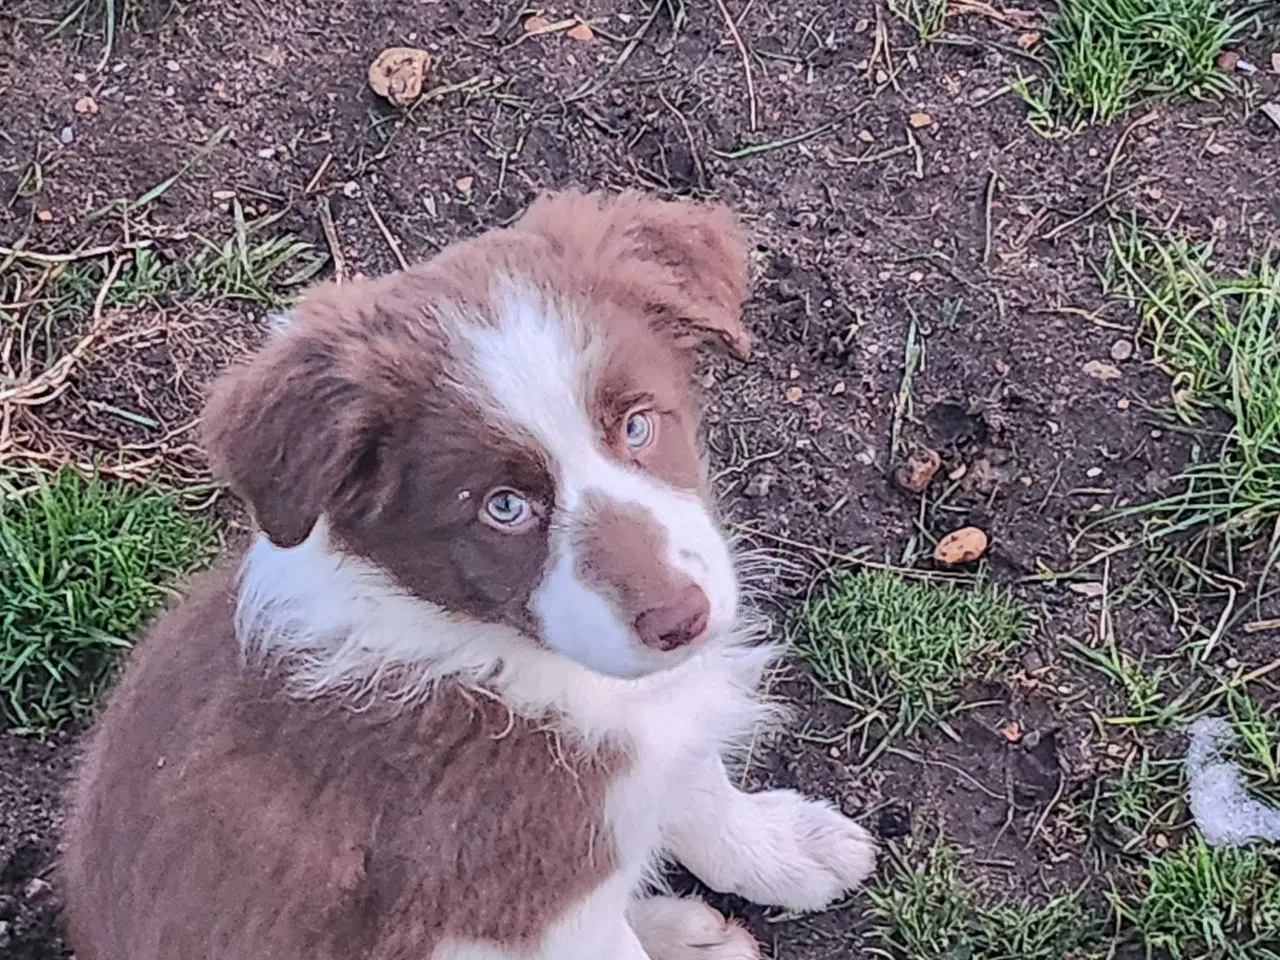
(336, 625)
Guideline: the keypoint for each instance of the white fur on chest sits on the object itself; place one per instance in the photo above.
(675, 721)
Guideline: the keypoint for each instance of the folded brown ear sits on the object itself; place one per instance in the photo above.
(688, 260)
(291, 432)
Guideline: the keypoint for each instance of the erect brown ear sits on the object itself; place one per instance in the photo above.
(296, 431)
(687, 260)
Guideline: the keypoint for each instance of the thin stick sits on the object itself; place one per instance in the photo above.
(87, 254)
(1120, 140)
(316, 177)
(386, 234)
(746, 60)
(854, 558)
(331, 238)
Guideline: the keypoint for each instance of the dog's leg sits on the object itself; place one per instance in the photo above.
(673, 928)
(776, 847)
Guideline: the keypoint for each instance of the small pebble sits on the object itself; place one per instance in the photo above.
(67, 135)
(1093, 472)
(1121, 350)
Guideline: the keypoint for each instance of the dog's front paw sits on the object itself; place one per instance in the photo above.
(673, 928)
(807, 854)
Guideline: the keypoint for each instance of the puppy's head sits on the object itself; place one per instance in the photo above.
(508, 431)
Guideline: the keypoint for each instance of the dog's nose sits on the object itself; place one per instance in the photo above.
(675, 623)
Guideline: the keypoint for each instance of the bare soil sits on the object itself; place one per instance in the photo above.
(978, 234)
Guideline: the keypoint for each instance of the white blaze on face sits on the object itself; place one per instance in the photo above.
(537, 370)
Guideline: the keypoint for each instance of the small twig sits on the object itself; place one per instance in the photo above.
(386, 234)
(918, 151)
(992, 182)
(541, 31)
(316, 177)
(911, 360)
(688, 135)
(88, 253)
(1106, 201)
(1120, 140)
(756, 148)
(1257, 626)
(1221, 626)
(877, 157)
(1044, 814)
(853, 557)
(331, 238)
(746, 60)
(1253, 675)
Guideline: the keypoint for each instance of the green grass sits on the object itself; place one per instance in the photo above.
(82, 565)
(899, 651)
(1107, 56)
(927, 17)
(924, 909)
(1203, 903)
(1216, 335)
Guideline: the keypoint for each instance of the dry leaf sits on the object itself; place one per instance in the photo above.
(961, 546)
(464, 184)
(536, 24)
(1101, 371)
(582, 33)
(1028, 40)
(1011, 731)
(397, 74)
(44, 216)
(919, 120)
(919, 470)
(1272, 112)
(1089, 588)
(1228, 60)
(86, 105)
(794, 394)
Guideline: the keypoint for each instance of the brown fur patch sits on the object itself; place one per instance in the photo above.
(622, 553)
(215, 817)
(350, 415)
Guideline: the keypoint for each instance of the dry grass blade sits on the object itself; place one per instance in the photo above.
(50, 382)
(746, 61)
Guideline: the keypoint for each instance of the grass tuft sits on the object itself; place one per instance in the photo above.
(1109, 55)
(891, 647)
(1218, 337)
(925, 909)
(82, 565)
(1210, 902)
(927, 17)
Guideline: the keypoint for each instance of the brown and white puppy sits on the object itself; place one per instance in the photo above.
(477, 672)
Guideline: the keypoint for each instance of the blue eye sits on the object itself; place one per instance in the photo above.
(639, 430)
(506, 508)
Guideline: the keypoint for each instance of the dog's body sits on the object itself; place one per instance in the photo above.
(479, 670)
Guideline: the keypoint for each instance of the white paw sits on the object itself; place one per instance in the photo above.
(807, 854)
(673, 928)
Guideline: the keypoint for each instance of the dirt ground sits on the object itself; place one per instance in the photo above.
(962, 230)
